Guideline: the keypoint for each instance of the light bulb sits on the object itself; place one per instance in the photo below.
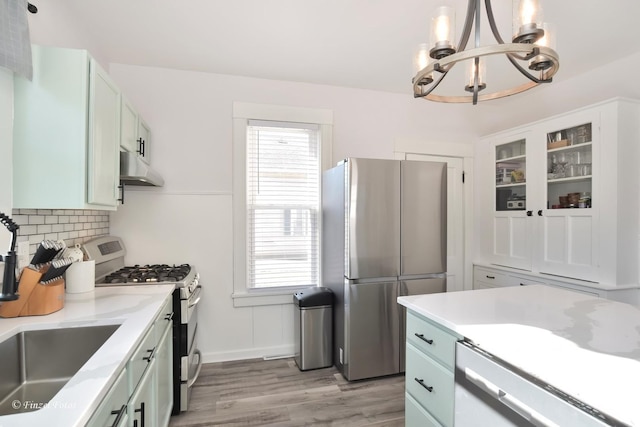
(442, 26)
(527, 11)
(442, 32)
(527, 21)
(471, 75)
(420, 61)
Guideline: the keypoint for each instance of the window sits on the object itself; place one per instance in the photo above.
(283, 201)
(279, 153)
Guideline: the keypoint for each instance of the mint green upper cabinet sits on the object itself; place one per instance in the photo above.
(66, 133)
(128, 127)
(144, 140)
(135, 134)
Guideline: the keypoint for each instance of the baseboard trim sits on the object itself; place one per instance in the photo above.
(252, 353)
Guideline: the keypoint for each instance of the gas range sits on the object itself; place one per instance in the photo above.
(108, 252)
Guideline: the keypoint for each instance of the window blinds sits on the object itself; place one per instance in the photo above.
(283, 200)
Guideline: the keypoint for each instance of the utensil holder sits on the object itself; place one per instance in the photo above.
(36, 298)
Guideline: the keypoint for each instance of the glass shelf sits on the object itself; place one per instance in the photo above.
(586, 178)
(515, 159)
(511, 173)
(571, 164)
(513, 184)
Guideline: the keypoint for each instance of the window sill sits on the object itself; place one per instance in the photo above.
(264, 297)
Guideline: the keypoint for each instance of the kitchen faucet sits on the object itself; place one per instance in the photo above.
(9, 283)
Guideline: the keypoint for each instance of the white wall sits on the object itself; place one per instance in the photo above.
(190, 114)
(190, 219)
(6, 150)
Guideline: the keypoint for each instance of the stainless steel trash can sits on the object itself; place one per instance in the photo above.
(313, 312)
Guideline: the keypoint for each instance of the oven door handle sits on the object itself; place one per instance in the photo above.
(197, 293)
(195, 376)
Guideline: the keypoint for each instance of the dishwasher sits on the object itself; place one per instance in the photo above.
(490, 392)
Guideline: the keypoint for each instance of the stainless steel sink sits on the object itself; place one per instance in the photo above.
(35, 365)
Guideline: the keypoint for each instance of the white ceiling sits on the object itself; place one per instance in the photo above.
(365, 44)
(353, 43)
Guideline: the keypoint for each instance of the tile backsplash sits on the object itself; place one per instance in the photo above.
(72, 226)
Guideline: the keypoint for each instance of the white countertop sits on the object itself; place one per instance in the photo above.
(134, 307)
(585, 346)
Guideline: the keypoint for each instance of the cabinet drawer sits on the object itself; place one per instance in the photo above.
(485, 278)
(430, 384)
(431, 339)
(113, 404)
(416, 416)
(142, 358)
(164, 318)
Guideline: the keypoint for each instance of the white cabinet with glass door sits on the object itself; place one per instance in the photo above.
(511, 229)
(569, 217)
(565, 195)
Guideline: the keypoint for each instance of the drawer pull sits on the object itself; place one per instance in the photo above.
(490, 277)
(421, 382)
(421, 336)
(141, 410)
(150, 356)
(121, 412)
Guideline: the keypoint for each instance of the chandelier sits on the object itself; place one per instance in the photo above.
(531, 52)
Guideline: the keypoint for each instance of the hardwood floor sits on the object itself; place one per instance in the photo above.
(276, 393)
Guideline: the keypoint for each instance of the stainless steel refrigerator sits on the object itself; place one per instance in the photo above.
(384, 235)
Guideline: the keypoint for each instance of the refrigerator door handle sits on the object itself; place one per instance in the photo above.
(423, 276)
(374, 280)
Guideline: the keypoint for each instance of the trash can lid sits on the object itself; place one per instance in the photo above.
(313, 297)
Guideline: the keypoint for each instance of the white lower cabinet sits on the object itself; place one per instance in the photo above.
(113, 409)
(142, 396)
(416, 416)
(164, 369)
(486, 277)
(429, 373)
(143, 405)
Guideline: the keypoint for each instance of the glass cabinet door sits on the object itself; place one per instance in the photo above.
(511, 176)
(569, 156)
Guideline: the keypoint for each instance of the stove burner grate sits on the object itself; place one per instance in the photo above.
(156, 273)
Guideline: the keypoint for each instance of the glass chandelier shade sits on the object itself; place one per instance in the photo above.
(531, 52)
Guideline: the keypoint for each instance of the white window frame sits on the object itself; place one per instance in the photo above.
(243, 296)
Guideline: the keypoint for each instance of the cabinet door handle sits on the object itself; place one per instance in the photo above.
(491, 277)
(529, 213)
(121, 412)
(421, 382)
(421, 336)
(141, 410)
(140, 146)
(143, 143)
(540, 212)
(121, 199)
(169, 317)
(150, 356)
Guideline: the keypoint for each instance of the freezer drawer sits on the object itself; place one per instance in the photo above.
(372, 341)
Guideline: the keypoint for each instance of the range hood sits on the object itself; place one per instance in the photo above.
(133, 171)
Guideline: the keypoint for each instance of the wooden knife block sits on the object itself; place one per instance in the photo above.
(36, 299)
